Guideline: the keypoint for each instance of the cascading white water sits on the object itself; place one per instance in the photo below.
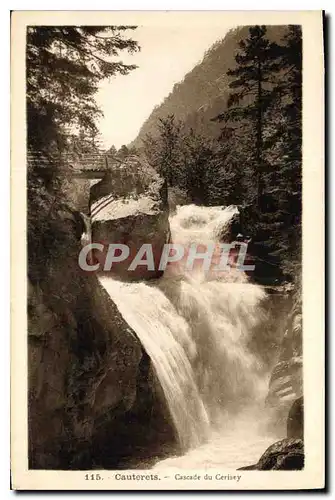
(166, 337)
(196, 327)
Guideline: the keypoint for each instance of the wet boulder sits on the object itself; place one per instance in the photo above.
(287, 454)
(129, 206)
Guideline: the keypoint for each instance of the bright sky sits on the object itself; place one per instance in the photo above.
(167, 54)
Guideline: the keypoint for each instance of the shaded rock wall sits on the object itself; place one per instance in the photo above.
(286, 384)
(266, 340)
(84, 360)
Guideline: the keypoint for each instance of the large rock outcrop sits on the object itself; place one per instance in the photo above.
(87, 369)
(286, 384)
(287, 454)
(284, 402)
(130, 206)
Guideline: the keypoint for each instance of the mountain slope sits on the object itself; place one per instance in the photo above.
(203, 93)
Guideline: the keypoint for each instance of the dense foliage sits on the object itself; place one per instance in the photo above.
(65, 65)
(255, 159)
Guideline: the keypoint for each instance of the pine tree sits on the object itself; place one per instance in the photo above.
(230, 178)
(151, 151)
(164, 150)
(64, 67)
(112, 151)
(250, 97)
(266, 97)
(287, 143)
(123, 152)
(196, 152)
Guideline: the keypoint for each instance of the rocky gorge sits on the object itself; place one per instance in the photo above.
(96, 396)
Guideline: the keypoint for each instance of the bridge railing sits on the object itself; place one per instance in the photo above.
(72, 162)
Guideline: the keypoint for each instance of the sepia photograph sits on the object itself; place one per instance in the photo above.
(164, 339)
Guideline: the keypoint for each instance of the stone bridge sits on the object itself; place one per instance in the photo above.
(78, 166)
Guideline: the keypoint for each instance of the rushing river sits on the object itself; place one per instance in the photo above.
(196, 327)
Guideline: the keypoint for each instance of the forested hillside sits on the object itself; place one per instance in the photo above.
(230, 133)
(204, 91)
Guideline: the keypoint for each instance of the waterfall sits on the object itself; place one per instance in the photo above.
(167, 339)
(196, 326)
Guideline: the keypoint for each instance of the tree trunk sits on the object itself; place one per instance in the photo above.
(259, 138)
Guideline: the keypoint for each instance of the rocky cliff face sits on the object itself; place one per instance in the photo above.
(286, 380)
(83, 360)
(86, 367)
(285, 400)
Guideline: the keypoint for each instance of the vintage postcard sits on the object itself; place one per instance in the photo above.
(167, 250)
